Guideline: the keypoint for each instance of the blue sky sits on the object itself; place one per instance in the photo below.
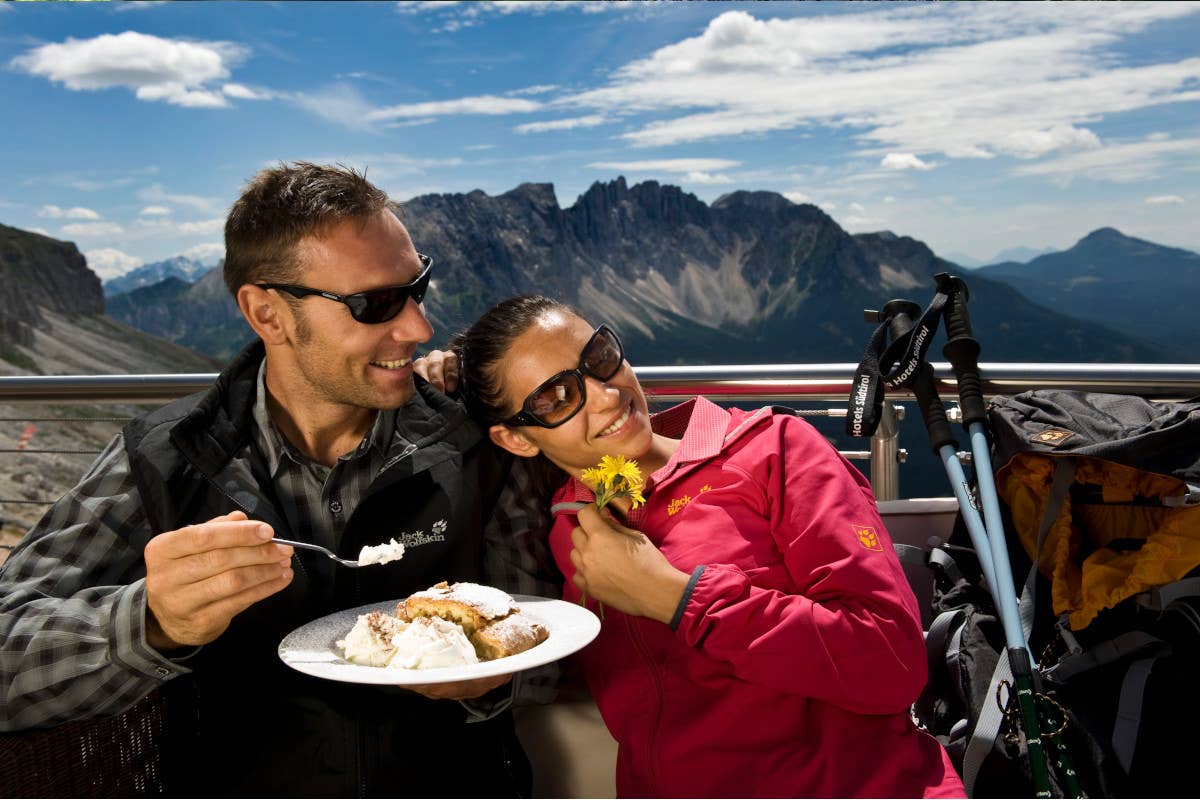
(129, 128)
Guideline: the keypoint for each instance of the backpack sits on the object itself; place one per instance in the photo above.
(1101, 499)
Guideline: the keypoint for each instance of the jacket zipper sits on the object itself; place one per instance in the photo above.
(408, 451)
(658, 697)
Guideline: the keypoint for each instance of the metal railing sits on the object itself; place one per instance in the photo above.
(743, 383)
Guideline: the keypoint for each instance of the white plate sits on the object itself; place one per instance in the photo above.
(312, 648)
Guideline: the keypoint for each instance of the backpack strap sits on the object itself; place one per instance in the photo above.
(1158, 598)
(1060, 488)
(1129, 711)
(1189, 498)
(1116, 649)
(987, 726)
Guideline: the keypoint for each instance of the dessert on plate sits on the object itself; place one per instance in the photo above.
(443, 626)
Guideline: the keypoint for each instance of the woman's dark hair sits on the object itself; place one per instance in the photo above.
(481, 348)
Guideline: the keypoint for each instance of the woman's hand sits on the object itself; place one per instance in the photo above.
(623, 569)
(440, 368)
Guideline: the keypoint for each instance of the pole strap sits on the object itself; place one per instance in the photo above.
(889, 365)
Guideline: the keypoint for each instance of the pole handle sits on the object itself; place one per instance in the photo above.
(961, 348)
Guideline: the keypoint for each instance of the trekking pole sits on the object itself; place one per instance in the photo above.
(962, 351)
(899, 314)
(918, 377)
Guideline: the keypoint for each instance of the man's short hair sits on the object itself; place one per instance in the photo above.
(284, 204)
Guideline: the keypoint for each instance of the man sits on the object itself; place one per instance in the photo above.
(158, 568)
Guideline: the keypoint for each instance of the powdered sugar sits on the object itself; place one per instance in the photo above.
(488, 601)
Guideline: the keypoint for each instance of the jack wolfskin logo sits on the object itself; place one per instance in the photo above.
(677, 504)
(1052, 437)
(868, 537)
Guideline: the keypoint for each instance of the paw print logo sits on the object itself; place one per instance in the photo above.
(439, 526)
(868, 537)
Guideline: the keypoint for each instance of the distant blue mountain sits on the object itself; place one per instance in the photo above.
(185, 269)
(1019, 254)
(1139, 288)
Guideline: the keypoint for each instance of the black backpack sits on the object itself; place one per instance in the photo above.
(1103, 491)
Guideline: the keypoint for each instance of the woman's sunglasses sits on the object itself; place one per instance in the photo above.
(560, 398)
(374, 306)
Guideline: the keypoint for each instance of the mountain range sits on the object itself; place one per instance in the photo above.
(181, 267)
(751, 278)
(1131, 285)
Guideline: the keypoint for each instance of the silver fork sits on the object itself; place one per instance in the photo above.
(305, 545)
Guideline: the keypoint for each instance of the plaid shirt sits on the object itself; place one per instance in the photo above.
(73, 593)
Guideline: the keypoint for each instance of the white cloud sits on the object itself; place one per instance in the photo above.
(539, 89)
(155, 211)
(1117, 162)
(1032, 144)
(204, 226)
(163, 226)
(456, 15)
(108, 262)
(589, 121)
(1165, 200)
(158, 195)
(668, 165)
(78, 212)
(904, 161)
(241, 92)
(706, 178)
(965, 81)
(89, 229)
(386, 169)
(487, 104)
(800, 198)
(209, 251)
(339, 103)
(155, 69)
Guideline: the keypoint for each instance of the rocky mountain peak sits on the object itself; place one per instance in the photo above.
(38, 272)
(539, 195)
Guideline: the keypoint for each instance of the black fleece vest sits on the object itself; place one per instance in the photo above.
(243, 723)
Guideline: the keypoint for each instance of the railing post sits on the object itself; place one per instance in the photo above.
(885, 453)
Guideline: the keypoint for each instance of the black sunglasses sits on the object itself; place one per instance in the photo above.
(558, 399)
(373, 306)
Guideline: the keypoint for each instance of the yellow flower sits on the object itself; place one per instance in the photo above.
(613, 477)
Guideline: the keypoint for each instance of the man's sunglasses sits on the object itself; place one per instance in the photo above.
(559, 399)
(373, 306)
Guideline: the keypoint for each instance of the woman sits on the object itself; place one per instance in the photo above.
(759, 636)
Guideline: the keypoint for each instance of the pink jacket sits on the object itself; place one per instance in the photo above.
(796, 652)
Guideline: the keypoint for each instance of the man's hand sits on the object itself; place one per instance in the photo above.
(623, 569)
(461, 690)
(200, 577)
(440, 368)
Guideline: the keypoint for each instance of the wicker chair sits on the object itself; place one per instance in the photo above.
(111, 757)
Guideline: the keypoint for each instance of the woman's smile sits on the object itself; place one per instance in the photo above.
(618, 423)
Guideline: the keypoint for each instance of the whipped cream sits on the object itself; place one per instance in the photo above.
(370, 640)
(380, 553)
(381, 640)
(429, 642)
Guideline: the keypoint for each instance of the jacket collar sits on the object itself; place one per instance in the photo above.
(221, 423)
(704, 430)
